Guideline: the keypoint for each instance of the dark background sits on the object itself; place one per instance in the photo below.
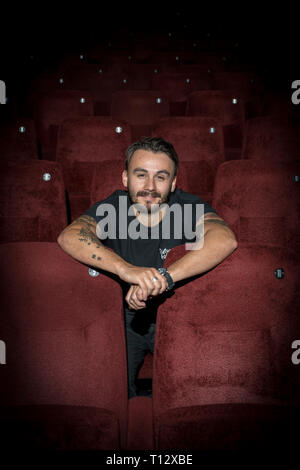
(35, 36)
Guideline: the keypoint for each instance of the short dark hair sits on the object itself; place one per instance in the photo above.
(155, 145)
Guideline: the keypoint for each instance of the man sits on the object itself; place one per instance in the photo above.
(150, 178)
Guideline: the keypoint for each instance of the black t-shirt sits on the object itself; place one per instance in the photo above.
(152, 249)
(148, 252)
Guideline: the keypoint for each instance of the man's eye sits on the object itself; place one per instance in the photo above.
(141, 175)
(161, 178)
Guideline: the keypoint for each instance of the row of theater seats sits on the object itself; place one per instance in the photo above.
(93, 147)
(175, 86)
(228, 384)
(142, 111)
(259, 200)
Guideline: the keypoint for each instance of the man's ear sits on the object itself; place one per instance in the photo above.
(125, 178)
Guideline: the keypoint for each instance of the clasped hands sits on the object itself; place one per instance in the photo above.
(145, 283)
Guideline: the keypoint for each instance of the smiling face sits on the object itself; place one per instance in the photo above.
(150, 178)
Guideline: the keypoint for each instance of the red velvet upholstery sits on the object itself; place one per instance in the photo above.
(82, 144)
(64, 384)
(107, 178)
(238, 81)
(18, 141)
(32, 208)
(246, 85)
(223, 376)
(52, 109)
(43, 83)
(261, 203)
(103, 85)
(279, 104)
(140, 424)
(218, 104)
(200, 151)
(141, 109)
(271, 139)
(177, 86)
(142, 74)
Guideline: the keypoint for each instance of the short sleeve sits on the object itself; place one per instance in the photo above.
(91, 211)
(208, 208)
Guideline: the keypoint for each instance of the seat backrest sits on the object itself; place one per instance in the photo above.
(139, 107)
(64, 333)
(259, 201)
(221, 337)
(224, 105)
(18, 140)
(199, 144)
(85, 142)
(33, 202)
(107, 178)
(271, 139)
(52, 109)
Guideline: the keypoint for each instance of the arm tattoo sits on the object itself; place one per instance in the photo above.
(88, 236)
(86, 219)
(215, 218)
(86, 232)
(216, 221)
(95, 256)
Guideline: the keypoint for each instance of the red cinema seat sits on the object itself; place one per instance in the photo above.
(260, 201)
(107, 178)
(141, 75)
(280, 104)
(199, 144)
(52, 109)
(83, 143)
(101, 81)
(246, 85)
(43, 83)
(271, 139)
(64, 384)
(216, 61)
(141, 109)
(228, 108)
(178, 86)
(239, 81)
(223, 376)
(18, 141)
(33, 202)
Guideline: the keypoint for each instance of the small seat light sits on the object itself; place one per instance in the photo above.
(46, 177)
(93, 272)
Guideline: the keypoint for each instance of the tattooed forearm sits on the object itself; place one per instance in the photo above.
(96, 257)
(86, 235)
(87, 220)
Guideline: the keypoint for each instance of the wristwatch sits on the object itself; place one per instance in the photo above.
(164, 272)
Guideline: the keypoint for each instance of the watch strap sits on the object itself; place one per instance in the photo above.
(168, 277)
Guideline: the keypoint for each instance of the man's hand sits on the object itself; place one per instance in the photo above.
(149, 280)
(134, 298)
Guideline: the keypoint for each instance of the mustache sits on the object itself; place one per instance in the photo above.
(148, 193)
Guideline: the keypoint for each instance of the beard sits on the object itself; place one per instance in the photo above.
(150, 207)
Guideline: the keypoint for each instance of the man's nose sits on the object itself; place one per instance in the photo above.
(150, 184)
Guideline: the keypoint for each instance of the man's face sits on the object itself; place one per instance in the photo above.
(149, 178)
